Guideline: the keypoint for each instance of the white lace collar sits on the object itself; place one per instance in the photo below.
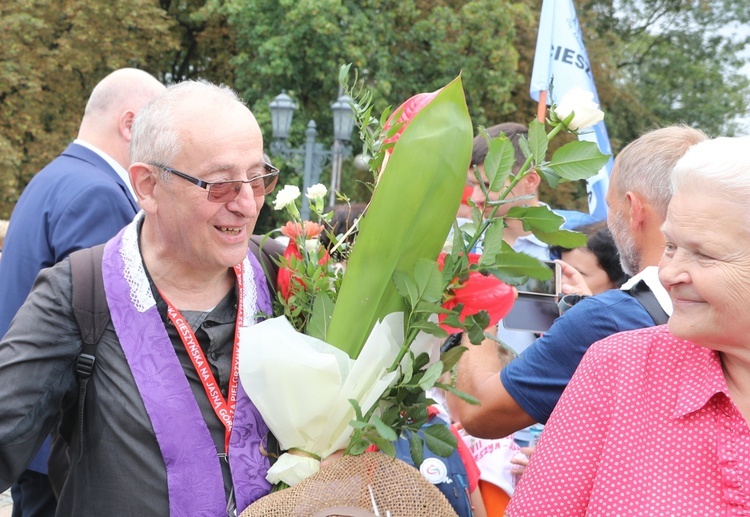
(140, 289)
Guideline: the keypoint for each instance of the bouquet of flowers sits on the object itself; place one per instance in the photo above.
(355, 346)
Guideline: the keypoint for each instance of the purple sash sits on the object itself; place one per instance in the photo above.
(194, 474)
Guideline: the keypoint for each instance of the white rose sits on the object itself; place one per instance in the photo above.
(317, 191)
(580, 102)
(286, 196)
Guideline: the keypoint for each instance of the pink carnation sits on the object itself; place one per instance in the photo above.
(310, 230)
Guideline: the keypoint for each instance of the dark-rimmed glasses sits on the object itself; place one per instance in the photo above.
(225, 191)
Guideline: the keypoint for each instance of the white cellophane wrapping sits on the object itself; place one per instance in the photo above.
(302, 386)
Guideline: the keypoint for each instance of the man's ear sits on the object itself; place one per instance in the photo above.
(126, 124)
(532, 181)
(636, 210)
(144, 180)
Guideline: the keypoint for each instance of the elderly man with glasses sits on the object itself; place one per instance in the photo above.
(166, 428)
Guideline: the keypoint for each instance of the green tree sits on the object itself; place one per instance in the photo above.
(53, 53)
(206, 43)
(399, 48)
(669, 61)
(51, 56)
(655, 62)
(660, 62)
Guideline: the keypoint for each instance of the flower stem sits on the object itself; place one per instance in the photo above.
(559, 127)
(524, 171)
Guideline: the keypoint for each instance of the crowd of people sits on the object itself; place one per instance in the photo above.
(127, 271)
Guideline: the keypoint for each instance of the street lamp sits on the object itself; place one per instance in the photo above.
(315, 156)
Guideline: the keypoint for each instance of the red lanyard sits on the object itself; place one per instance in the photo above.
(224, 408)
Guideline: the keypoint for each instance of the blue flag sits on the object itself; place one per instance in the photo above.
(561, 62)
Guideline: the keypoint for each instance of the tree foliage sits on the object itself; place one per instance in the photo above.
(206, 43)
(398, 47)
(52, 54)
(670, 61)
(655, 62)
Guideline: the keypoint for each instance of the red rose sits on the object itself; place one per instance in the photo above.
(479, 293)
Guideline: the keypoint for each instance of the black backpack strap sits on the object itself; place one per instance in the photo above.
(268, 251)
(92, 315)
(647, 299)
(89, 302)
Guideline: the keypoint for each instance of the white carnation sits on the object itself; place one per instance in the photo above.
(317, 191)
(286, 196)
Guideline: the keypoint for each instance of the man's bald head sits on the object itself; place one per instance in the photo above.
(111, 108)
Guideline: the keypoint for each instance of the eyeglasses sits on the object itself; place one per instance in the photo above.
(225, 191)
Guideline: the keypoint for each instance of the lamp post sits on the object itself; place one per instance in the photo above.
(315, 156)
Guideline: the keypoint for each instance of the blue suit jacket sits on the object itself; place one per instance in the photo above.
(75, 202)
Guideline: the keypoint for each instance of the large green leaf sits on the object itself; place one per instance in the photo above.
(518, 265)
(416, 449)
(537, 141)
(565, 238)
(493, 242)
(412, 209)
(440, 440)
(578, 160)
(384, 430)
(431, 376)
(499, 162)
(552, 177)
(536, 218)
(429, 280)
(321, 316)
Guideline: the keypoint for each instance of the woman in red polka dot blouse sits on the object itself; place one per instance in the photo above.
(655, 421)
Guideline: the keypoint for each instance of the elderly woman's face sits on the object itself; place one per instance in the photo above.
(706, 269)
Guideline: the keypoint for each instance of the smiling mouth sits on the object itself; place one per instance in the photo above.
(686, 301)
(229, 231)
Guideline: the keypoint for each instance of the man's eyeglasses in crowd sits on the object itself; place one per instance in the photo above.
(225, 191)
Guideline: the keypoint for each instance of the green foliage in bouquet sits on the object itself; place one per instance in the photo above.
(393, 268)
(413, 206)
(423, 289)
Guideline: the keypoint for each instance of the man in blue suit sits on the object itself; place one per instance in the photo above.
(81, 199)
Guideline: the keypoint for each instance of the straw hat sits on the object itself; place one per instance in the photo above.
(342, 489)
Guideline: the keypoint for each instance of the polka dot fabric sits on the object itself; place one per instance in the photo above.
(645, 428)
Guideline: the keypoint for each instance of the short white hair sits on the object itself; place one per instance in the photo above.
(156, 131)
(723, 164)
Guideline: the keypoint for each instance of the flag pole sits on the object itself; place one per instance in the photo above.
(541, 109)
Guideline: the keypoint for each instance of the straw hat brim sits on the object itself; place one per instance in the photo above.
(342, 489)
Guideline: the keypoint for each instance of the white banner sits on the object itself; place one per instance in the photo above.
(560, 63)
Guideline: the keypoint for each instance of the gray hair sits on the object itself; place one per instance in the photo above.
(645, 165)
(721, 163)
(156, 135)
